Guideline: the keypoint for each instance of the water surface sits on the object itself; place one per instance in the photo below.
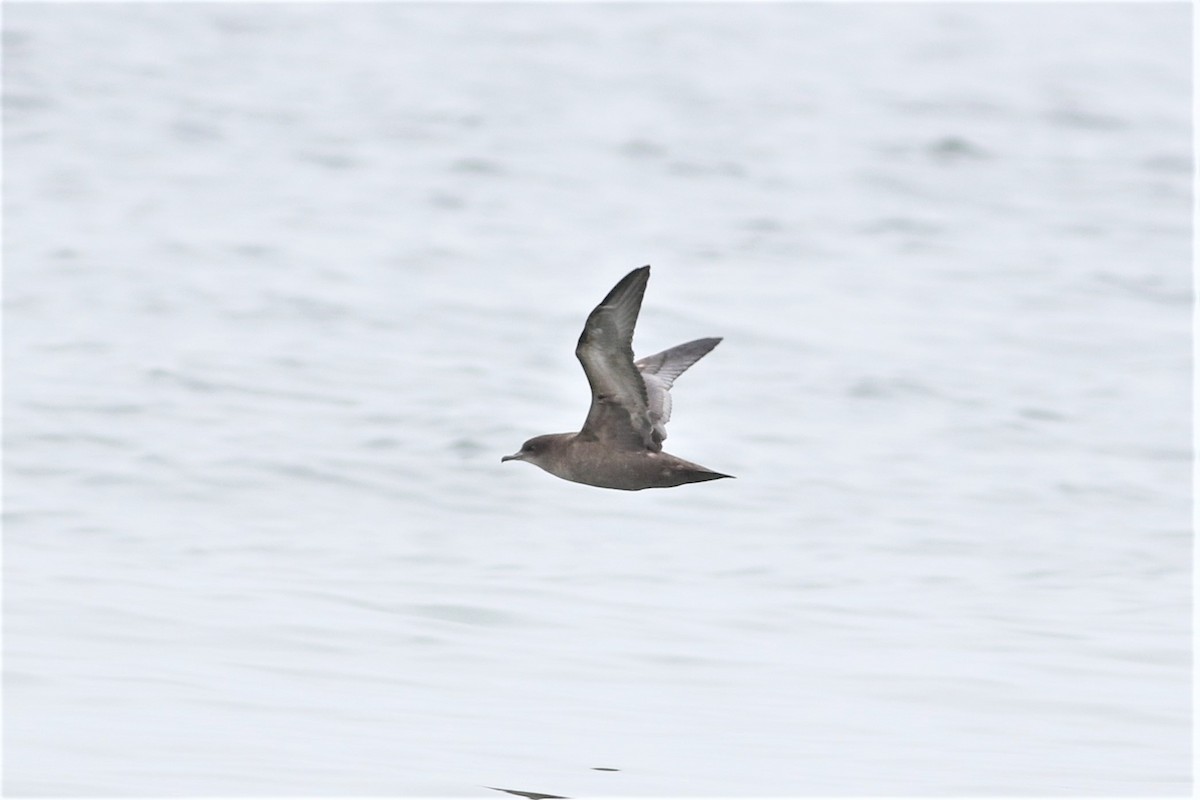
(283, 282)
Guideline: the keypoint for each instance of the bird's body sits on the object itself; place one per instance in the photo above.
(620, 444)
(573, 458)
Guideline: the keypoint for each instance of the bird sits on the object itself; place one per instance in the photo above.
(620, 443)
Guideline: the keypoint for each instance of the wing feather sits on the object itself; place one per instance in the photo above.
(659, 372)
(619, 414)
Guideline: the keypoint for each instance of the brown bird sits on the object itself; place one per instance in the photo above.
(620, 445)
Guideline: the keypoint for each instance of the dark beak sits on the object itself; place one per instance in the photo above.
(513, 457)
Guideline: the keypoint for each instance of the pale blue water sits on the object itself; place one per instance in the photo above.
(283, 282)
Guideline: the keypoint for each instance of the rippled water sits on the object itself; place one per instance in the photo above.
(284, 281)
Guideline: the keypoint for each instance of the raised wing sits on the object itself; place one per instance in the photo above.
(619, 415)
(659, 372)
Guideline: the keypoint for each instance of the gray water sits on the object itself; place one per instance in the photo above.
(283, 282)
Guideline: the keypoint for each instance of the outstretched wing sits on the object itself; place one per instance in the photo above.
(659, 372)
(619, 415)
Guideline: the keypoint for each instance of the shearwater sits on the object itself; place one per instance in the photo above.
(620, 444)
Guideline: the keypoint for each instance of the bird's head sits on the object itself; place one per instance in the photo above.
(536, 449)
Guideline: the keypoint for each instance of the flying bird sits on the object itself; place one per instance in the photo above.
(620, 444)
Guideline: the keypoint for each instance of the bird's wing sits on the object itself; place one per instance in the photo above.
(619, 414)
(659, 372)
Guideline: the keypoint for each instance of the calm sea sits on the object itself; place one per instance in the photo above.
(283, 282)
